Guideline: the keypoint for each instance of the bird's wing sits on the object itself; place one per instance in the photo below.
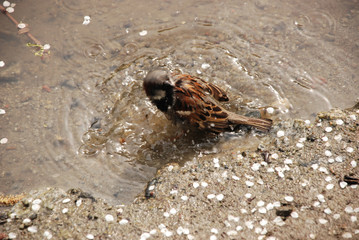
(193, 105)
(213, 90)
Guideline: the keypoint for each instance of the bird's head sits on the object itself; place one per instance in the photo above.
(159, 89)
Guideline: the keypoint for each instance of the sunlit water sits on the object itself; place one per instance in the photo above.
(97, 130)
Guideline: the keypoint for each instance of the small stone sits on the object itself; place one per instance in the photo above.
(339, 122)
(65, 210)
(294, 215)
(243, 211)
(278, 220)
(269, 206)
(184, 198)
(350, 149)
(47, 46)
(315, 166)
(322, 221)
(47, 235)
(173, 191)
(3, 141)
(327, 211)
(347, 235)
(239, 228)
(353, 117)
(263, 222)
(26, 221)
(307, 122)
(260, 203)
(233, 218)
(289, 198)
(66, 200)
(328, 178)
(280, 133)
(262, 210)
(328, 129)
(235, 178)
(299, 145)
(353, 163)
(249, 224)
(173, 211)
(270, 110)
(343, 184)
(331, 160)
(211, 196)
(274, 156)
(35, 207)
(232, 233)
(2, 111)
(90, 236)
(168, 233)
(214, 230)
(123, 221)
(195, 184)
(79, 202)
(330, 186)
(353, 218)
(256, 166)
(323, 170)
(204, 184)
(6, 4)
(288, 161)
(166, 214)
(145, 236)
(349, 209)
(10, 9)
(32, 229)
(248, 195)
(328, 153)
(205, 65)
(249, 183)
(87, 20)
(12, 235)
(170, 168)
(36, 201)
(325, 139)
(109, 218)
(143, 33)
(321, 198)
(220, 197)
(316, 204)
(338, 137)
(339, 159)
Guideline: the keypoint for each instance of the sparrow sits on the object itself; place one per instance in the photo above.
(191, 100)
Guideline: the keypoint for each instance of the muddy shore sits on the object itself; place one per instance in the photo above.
(303, 184)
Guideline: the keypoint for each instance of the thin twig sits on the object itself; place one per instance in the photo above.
(37, 42)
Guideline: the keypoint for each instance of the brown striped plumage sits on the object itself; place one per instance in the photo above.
(193, 100)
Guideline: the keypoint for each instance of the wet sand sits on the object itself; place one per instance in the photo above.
(303, 184)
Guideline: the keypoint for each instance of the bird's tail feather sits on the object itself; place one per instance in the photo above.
(262, 124)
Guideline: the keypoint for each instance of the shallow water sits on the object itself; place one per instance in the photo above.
(91, 126)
